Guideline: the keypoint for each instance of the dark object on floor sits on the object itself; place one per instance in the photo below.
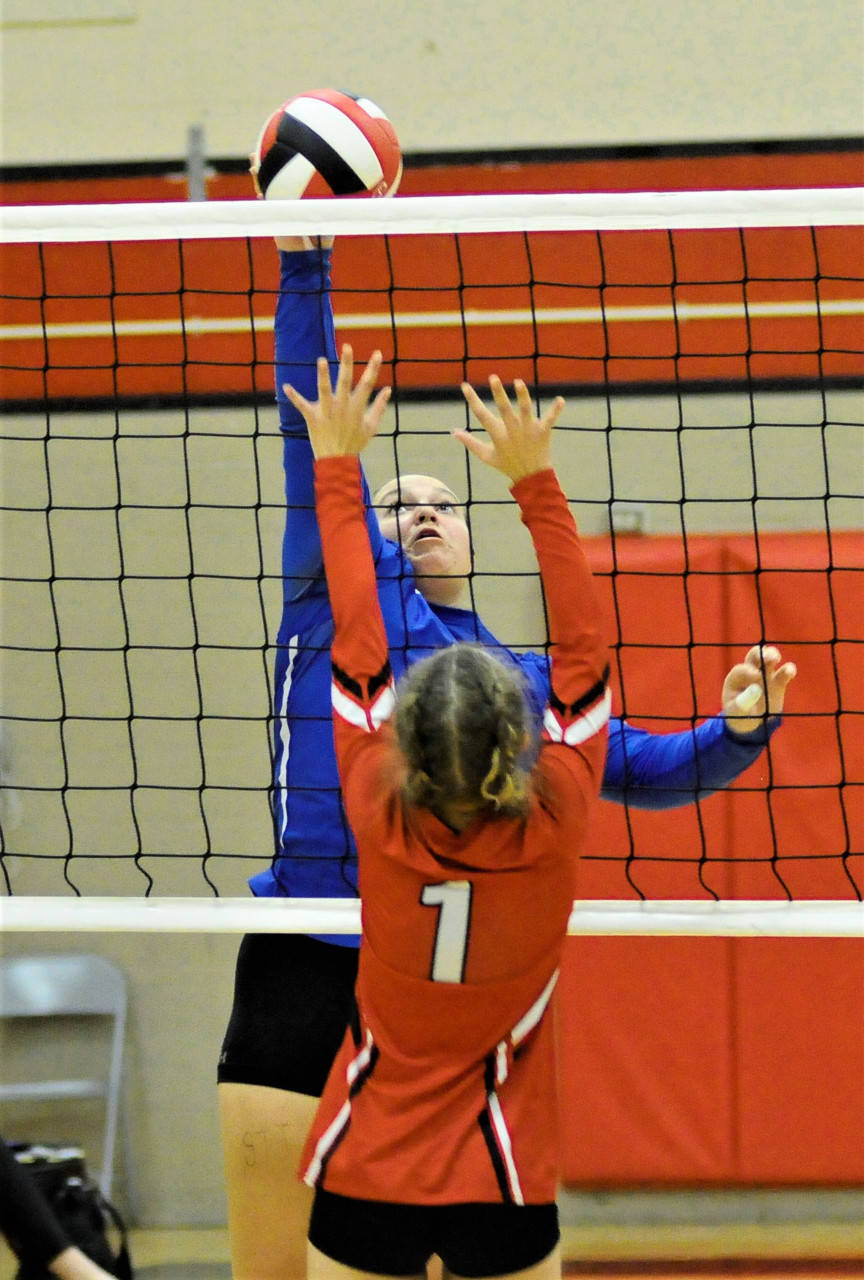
(60, 1174)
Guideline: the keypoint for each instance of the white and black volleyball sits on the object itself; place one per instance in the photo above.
(327, 143)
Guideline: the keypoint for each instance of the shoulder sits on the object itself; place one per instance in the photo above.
(563, 781)
(370, 774)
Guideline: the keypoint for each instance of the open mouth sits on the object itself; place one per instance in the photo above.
(423, 536)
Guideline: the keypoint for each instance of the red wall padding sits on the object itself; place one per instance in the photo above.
(714, 1060)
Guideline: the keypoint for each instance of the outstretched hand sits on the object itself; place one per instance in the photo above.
(342, 421)
(290, 244)
(756, 687)
(519, 443)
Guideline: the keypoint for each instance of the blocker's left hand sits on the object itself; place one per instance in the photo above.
(342, 421)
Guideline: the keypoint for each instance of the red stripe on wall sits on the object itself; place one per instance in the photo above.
(170, 319)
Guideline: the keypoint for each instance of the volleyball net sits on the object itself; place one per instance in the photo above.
(711, 348)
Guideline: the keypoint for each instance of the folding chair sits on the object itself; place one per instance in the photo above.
(62, 986)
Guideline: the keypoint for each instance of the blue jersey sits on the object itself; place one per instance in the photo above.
(315, 855)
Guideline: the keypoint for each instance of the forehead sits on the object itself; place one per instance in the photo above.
(414, 489)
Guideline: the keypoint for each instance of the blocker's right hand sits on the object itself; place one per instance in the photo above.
(342, 421)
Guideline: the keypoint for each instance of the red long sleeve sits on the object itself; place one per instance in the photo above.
(360, 643)
(579, 646)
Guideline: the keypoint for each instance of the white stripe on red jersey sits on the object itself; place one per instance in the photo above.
(334, 1131)
(505, 1147)
(369, 718)
(585, 725)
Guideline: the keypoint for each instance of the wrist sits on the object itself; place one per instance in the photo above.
(337, 462)
(515, 482)
(758, 732)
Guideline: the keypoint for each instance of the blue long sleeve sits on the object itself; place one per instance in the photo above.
(303, 331)
(665, 770)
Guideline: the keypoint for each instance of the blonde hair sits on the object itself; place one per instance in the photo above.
(461, 723)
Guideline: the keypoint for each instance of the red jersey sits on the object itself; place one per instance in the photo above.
(444, 1089)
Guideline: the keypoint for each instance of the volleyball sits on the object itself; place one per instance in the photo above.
(327, 143)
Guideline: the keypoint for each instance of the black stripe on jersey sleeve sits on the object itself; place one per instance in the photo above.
(588, 699)
(355, 687)
(354, 1024)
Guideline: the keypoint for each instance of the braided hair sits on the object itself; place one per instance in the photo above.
(461, 723)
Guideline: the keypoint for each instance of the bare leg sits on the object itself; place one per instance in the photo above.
(71, 1264)
(548, 1269)
(263, 1131)
(323, 1268)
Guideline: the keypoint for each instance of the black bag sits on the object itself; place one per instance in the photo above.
(90, 1222)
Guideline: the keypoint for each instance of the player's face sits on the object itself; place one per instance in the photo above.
(424, 517)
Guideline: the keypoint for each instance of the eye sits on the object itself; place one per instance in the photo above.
(394, 508)
(446, 507)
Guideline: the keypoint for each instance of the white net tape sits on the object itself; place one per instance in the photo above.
(342, 916)
(417, 215)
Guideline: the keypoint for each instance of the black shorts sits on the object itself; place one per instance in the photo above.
(399, 1239)
(293, 999)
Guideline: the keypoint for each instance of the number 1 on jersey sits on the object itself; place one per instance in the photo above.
(453, 899)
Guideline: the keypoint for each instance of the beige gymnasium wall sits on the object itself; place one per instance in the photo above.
(124, 85)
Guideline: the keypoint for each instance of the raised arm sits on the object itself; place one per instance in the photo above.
(518, 444)
(340, 424)
(304, 333)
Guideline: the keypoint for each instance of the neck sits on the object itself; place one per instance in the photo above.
(457, 814)
(444, 590)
